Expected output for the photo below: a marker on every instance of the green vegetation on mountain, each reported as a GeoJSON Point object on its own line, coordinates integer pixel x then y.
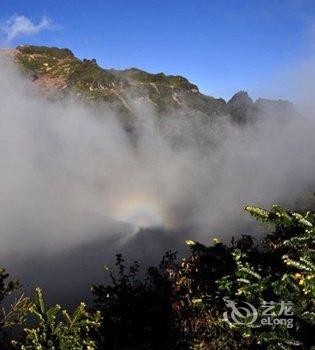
{"type": "Point", "coordinates": [161, 79]}
{"type": "Point", "coordinates": [42, 59]}
{"type": "Point", "coordinates": [181, 304]}
{"type": "Point", "coordinates": [60, 73]}
{"type": "Point", "coordinates": [59, 69]}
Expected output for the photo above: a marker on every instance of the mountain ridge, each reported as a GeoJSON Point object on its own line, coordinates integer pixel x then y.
{"type": "Point", "coordinates": [58, 73]}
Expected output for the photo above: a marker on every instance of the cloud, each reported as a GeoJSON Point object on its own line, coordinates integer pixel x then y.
{"type": "Point", "coordinates": [19, 25]}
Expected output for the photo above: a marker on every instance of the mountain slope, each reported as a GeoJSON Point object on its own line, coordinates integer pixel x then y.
{"type": "Point", "coordinates": [59, 73]}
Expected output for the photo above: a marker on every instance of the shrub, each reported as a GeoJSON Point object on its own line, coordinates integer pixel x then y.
{"type": "Point", "coordinates": [15, 313]}
{"type": "Point", "coordinates": [137, 312]}
{"type": "Point", "coordinates": [73, 332]}
{"type": "Point", "coordinates": [280, 269]}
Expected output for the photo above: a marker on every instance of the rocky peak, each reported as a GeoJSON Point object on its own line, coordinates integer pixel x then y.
{"type": "Point", "coordinates": [241, 98]}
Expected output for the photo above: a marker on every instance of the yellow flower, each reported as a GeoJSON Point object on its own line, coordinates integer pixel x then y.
{"type": "Point", "coordinates": [197, 301]}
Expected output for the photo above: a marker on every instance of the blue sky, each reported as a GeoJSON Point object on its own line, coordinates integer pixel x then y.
{"type": "Point", "coordinates": [222, 46]}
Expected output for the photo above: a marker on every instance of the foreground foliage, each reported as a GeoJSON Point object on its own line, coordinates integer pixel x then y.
{"type": "Point", "coordinates": [13, 314]}
{"type": "Point", "coordinates": [73, 332]}
{"type": "Point", "coordinates": [281, 269]}
{"type": "Point", "coordinates": [188, 304]}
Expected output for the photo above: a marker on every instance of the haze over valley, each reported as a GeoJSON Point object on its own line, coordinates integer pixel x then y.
{"type": "Point", "coordinates": [98, 161]}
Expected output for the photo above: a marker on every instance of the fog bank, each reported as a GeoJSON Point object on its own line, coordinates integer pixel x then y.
{"type": "Point", "coordinates": [71, 175]}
